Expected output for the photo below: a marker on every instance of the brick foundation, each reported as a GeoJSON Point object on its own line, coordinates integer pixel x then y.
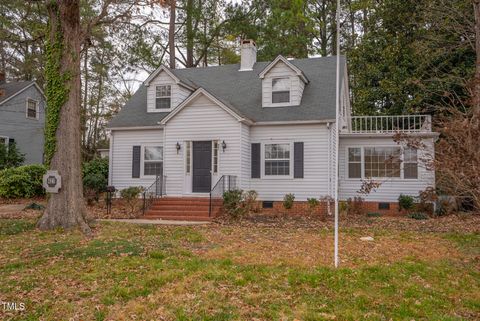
{"type": "Point", "coordinates": [374, 207]}
{"type": "Point", "coordinates": [302, 208]}
{"type": "Point", "coordinates": [298, 208]}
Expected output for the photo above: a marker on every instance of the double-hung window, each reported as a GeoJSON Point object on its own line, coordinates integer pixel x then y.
{"type": "Point", "coordinates": [355, 162]}
{"type": "Point", "coordinates": [153, 160]}
{"type": "Point", "coordinates": [410, 163]}
{"type": "Point", "coordinates": [4, 140]}
{"type": "Point", "coordinates": [277, 159]}
{"type": "Point", "coordinates": [163, 97]}
{"type": "Point", "coordinates": [280, 90]}
{"type": "Point", "coordinates": [32, 109]}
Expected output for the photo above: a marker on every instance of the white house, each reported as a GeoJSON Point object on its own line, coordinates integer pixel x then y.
{"type": "Point", "coordinates": [266, 126]}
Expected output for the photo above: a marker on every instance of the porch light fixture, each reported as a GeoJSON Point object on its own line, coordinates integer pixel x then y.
{"type": "Point", "coordinates": [178, 147]}
{"type": "Point", "coordinates": [224, 146]}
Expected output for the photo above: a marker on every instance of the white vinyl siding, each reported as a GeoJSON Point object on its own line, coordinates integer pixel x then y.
{"type": "Point", "coordinates": [200, 120]}
{"type": "Point", "coordinates": [122, 142]}
{"type": "Point", "coordinates": [296, 85]}
{"type": "Point", "coordinates": [315, 182]}
{"type": "Point", "coordinates": [178, 93]}
{"type": "Point", "coordinates": [246, 157]}
{"type": "Point", "coordinates": [390, 188]}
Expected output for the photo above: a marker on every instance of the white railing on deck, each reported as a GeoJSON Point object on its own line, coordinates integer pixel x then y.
{"type": "Point", "coordinates": [391, 124]}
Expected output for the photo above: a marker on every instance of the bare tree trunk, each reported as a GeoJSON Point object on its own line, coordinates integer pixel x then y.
{"type": "Point", "coordinates": [189, 26]}
{"type": "Point", "coordinates": [476, 86]}
{"type": "Point", "coordinates": [97, 107]}
{"type": "Point", "coordinates": [67, 208]}
{"type": "Point", "coordinates": [171, 33]}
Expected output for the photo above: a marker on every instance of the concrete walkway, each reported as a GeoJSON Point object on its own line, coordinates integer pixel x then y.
{"type": "Point", "coordinates": [154, 222]}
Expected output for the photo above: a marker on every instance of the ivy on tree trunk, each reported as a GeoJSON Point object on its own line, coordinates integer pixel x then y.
{"type": "Point", "coordinates": [65, 209]}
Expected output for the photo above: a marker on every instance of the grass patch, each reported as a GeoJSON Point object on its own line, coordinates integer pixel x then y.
{"type": "Point", "coordinates": [468, 243]}
{"type": "Point", "coordinates": [160, 272]}
{"type": "Point", "coordinates": [12, 227]}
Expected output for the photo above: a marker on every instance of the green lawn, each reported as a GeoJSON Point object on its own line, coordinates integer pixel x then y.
{"type": "Point", "coordinates": [236, 273]}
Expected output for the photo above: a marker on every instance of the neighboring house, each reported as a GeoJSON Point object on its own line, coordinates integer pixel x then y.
{"type": "Point", "coordinates": [269, 125]}
{"type": "Point", "coordinates": [22, 117]}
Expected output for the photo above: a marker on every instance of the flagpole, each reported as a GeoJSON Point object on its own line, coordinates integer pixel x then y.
{"type": "Point", "coordinates": [337, 106]}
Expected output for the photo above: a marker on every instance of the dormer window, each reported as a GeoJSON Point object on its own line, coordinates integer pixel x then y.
{"type": "Point", "coordinates": [163, 97]}
{"type": "Point", "coordinates": [280, 90]}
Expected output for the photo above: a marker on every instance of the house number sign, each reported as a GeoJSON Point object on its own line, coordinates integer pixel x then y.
{"type": "Point", "coordinates": [52, 181]}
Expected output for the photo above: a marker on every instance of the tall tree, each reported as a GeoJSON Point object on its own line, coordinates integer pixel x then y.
{"type": "Point", "coordinates": [66, 34]}
{"type": "Point", "coordinates": [63, 136]}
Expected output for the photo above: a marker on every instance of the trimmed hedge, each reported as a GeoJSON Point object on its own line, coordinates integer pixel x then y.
{"type": "Point", "coordinates": [24, 181]}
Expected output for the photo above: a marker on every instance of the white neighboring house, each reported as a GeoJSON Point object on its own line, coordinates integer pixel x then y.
{"type": "Point", "coordinates": [270, 125]}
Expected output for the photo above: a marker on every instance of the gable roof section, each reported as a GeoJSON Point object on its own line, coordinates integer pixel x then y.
{"type": "Point", "coordinates": [285, 61]}
{"type": "Point", "coordinates": [242, 92]}
{"type": "Point", "coordinates": [16, 87]}
{"type": "Point", "coordinates": [201, 91]}
{"type": "Point", "coordinates": [177, 80]}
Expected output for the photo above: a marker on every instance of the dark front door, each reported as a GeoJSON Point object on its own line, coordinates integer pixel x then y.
{"type": "Point", "coordinates": [202, 166]}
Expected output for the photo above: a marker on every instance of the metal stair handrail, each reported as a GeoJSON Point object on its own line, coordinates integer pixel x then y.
{"type": "Point", "coordinates": [154, 191]}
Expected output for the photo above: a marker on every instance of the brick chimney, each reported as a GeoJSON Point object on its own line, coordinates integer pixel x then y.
{"type": "Point", "coordinates": [248, 54]}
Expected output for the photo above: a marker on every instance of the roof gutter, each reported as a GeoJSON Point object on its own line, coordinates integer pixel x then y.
{"type": "Point", "coordinates": [293, 122]}
{"type": "Point", "coordinates": [136, 127]}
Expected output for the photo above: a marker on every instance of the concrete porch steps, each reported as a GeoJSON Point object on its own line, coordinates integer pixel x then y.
{"type": "Point", "coordinates": [183, 208]}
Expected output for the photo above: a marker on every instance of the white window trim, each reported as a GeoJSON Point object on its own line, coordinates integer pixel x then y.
{"type": "Point", "coordinates": [190, 167]}
{"type": "Point", "coordinates": [262, 160]}
{"type": "Point", "coordinates": [37, 108]}
{"type": "Point", "coordinates": [347, 167]}
{"type": "Point", "coordinates": [162, 110]}
{"type": "Point", "coordinates": [362, 149]}
{"type": "Point", "coordinates": [142, 159]}
{"type": "Point", "coordinates": [219, 149]}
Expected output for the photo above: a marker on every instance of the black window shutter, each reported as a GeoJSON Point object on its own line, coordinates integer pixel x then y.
{"type": "Point", "coordinates": [255, 160]}
{"type": "Point", "coordinates": [136, 161]}
{"type": "Point", "coordinates": [11, 141]}
{"type": "Point", "coordinates": [298, 160]}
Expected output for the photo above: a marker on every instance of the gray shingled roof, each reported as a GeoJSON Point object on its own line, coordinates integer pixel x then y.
{"type": "Point", "coordinates": [243, 91]}
{"type": "Point", "coordinates": [11, 88]}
